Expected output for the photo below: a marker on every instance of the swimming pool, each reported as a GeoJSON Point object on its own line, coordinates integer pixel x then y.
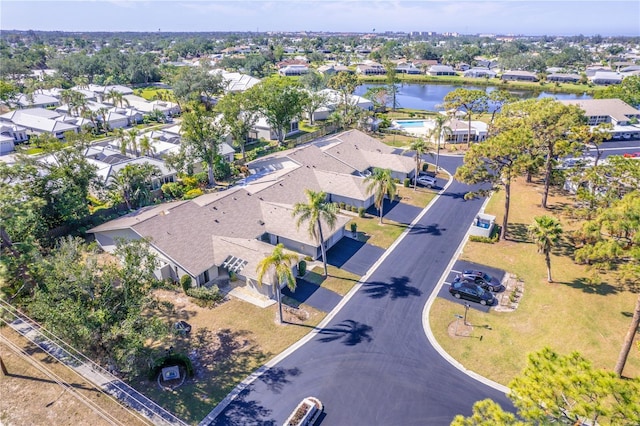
{"type": "Point", "coordinates": [409, 123]}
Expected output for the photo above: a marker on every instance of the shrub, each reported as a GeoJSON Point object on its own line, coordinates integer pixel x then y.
{"type": "Point", "coordinates": [193, 193]}
{"type": "Point", "coordinates": [361, 211]}
{"type": "Point", "coordinates": [206, 297]}
{"type": "Point", "coordinates": [406, 182]}
{"type": "Point", "coordinates": [173, 190]}
{"type": "Point", "coordinates": [354, 209]}
{"type": "Point", "coordinates": [185, 283]}
{"type": "Point", "coordinates": [169, 361]}
{"type": "Point", "coordinates": [302, 268]}
{"type": "Point", "coordinates": [354, 227]}
{"type": "Point", "coordinates": [342, 204]}
{"type": "Point", "coordinates": [425, 167]}
{"type": "Point", "coordinates": [308, 258]}
{"type": "Point", "coordinates": [222, 168]}
{"type": "Point", "coordinates": [479, 239]}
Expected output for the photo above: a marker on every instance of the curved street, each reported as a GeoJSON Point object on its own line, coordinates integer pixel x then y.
{"type": "Point", "coordinates": [372, 364]}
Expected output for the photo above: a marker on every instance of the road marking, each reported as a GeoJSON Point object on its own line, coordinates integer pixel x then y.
{"type": "Point", "coordinates": [455, 272]}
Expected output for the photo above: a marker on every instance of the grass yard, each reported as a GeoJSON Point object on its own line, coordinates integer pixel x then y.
{"type": "Point", "coordinates": [338, 280]}
{"type": "Point", "coordinates": [419, 197]}
{"type": "Point", "coordinates": [571, 314]}
{"type": "Point", "coordinates": [227, 343]}
{"type": "Point", "coordinates": [151, 93]}
{"type": "Point", "coordinates": [371, 232]}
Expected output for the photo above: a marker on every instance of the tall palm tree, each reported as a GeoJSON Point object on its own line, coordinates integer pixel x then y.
{"type": "Point", "coordinates": [381, 183]}
{"type": "Point", "coordinates": [313, 213]}
{"type": "Point", "coordinates": [116, 98]}
{"type": "Point", "coordinates": [439, 133]}
{"type": "Point", "coordinates": [103, 113]}
{"type": "Point", "coordinates": [421, 147]}
{"type": "Point", "coordinates": [279, 263]}
{"type": "Point", "coordinates": [132, 135]}
{"type": "Point", "coordinates": [545, 232]}
{"type": "Point", "coordinates": [146, 147]}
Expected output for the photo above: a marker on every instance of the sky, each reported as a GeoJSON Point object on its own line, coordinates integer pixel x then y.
{"type": "Point", "coordinates": [542, 17]}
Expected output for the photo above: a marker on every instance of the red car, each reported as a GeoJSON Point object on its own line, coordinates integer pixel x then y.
{"type": "Point", "coordinates": [631, 155]}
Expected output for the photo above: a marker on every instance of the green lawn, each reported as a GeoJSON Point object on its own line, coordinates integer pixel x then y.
{"type": "Point", "coordinates": [227, 343]}
{"type": "Point", "coordinates": [569, 315]}
{"type": "Point", "coordinates": [372, 232]}
{"type": "Point", "coordinates": [337, 280]}
{"type": "Point", "coordinates": [151, 93]}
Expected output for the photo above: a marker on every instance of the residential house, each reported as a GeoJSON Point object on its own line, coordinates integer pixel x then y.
{"type": "Point", "coordinates": [563, 78]}
{"type": "Point", "coordinates": [441, 70]}
{"type": "Point", "coordinates": [333, 69]}
{"type": "Point", "coordinates": [622, 116]}
{"type": "Point", "coordinates": [293, 69]}
{"type": "Point", "coordinates": [606, 78]}
{"type": "Point", "coordinates": [407, 68]}
{"type": "Point", "coordinates": [263, 130]}
{"type": "Point", "coordinates": [371, 68]}
{"type": "Point", "coordinates": [334, 99]}
{"type": "Point", "coordinates": [232, 231]}
{"type": "Point", "coordinates": [36, 100]}
{"type": "Point", "coordinates": [479, 73]}
{"type": "Point", "coordinates": [236, 82]}
{"type": "Point", "coordinates": [519, 76]}
{"type": "Point", "coordinates": [10, 135]}
{"type": "Point", "coordinates": [39, 120]}
{"type": "Point", "coordinates": [167, 108]}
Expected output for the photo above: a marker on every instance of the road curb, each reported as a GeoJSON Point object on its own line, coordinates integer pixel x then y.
{"type": "Point", "coordinates": [427, 326]}
{"type": "Point", "coordinates": [345, 299]}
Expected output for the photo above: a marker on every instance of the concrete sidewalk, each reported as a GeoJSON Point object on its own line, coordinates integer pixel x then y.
{"type": "Point", "coordinates": [98, 376]}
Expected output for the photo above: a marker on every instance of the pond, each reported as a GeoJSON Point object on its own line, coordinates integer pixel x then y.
{"type": "Point", "coordinates": [429, 97]}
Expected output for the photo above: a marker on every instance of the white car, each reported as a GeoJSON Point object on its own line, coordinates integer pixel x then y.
{"type": "Point", "coordinates": [428, 181]}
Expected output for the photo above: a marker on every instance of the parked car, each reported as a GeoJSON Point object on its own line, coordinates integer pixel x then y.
{"type": "Point", "coordinates": [483, 279]}
{"type": "Point", "coordinates": [463, 289]}
{"type": "Point", "coordinates": [631, 155]}
{"type": "Point", "coordinates": [428, 181]}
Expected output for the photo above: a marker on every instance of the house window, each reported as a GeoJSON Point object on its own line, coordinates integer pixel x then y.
{"type": "Point", "coordinates": [294, 126]}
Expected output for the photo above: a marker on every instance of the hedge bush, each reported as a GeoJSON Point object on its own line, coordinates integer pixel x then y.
{"type": "Point", "coordinates": [193, 193]}
{"type": "Point", "coordinates": [361, 211]}
{"type": "Point", "coordinates": [185, 282]}
{"type": "Point", "coordinates": [406, 182]}
{"type": "Point", "coordinates": [302, 268]}
{"type": "Point", "coordinates": [206, 296]}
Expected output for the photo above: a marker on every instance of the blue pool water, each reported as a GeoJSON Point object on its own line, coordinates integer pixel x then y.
{"type": "Point", "coordinates": [410, 123]}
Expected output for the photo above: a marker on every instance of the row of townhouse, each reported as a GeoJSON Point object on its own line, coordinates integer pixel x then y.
{"type": "Point", "coordinates": [231, 231]}
{"type": "Point", "coordinates": [623, 117]}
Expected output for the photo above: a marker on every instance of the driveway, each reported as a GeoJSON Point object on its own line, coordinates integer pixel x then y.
{"type": "Point", "coordinates": [373, 364]}
{"type": "Point", "coordinates": [396, 211]}
{"type": "Point", "coordinates": [313, 295]}
{"type": "Point", "coordinates": [353, 256]}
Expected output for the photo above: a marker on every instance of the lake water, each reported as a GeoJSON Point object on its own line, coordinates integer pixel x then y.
{"type": "Point", "coordinates": [431, 96]}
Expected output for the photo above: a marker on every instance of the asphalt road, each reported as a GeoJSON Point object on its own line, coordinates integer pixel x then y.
{"type": "Point", "coordinates": [372, 364]}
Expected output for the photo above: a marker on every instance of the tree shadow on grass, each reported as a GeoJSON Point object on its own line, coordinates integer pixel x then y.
{"type": "Point", "coordinates": [398, 288]}
{"type": "Point", "coordinates": [518, 232]}
{"type": "Point", "coordinates": [602, 289]}
{"type": "Point", "coordinates": [349, 331]}
{"type": "Point", "coordinates": [564, 248]}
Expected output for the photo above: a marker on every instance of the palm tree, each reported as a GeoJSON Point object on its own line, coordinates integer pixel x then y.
{"type": "Point", "coordinates": [314, 212]}
{"type": "Point", "coordinates": [420, 147]}
{"type": "Point", "coordinates": [116, 98]}
{"type": "Point", "coordinates": [103, 113]}
{"type": "Point", "coordinates": [146, 147]}
{"type": "Point", "coordinates": [381, 183]}
{"type": "Point", "coordinates": [280, 264]}
{"type": "Point", "coordinates": [545, 232]}
{"type": "Point", "coordinates": [440, 131]}
{"type": "Point", "coordinates": [132, 135]}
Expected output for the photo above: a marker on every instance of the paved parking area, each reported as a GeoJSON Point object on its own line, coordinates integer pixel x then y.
{"type": "Point", "coordinates": [353, 256]}
{"type": "Point", "coordinates": [460, 266]}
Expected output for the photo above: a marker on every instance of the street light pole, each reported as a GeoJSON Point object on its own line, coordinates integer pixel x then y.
{"type": "Point", "coordinates": [466, 309]}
